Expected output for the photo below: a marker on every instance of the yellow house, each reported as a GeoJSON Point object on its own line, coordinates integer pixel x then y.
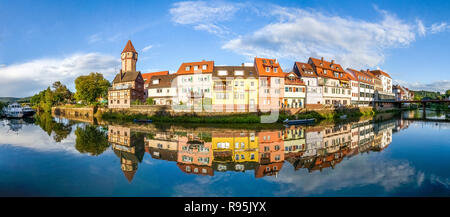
{"type": "Point", "coordinates": [235, 89]}
{"type": "Point", "coordinates": [235, 147]}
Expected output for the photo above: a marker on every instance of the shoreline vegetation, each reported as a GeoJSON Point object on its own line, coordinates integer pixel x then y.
{"type": "Point", "coordinates": [330, 115]}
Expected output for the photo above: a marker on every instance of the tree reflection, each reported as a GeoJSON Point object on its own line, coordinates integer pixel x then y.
{"type": "Point", "coordinates": [49, 125]}
{"type": "Point", "coordinates": [91, 139]}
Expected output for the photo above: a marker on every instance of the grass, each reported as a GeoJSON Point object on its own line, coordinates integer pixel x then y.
{"type": "Point", "coordinates": [235, 118]}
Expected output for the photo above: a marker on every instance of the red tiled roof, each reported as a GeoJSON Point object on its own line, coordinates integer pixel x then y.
{"type": "Point", "coordinates": [262, 63]}
{"type": "Point", "coordinates": [321, 65]}
{"type": "Point", "coordinates": [289, 80]}
{"type": "Point", "coordinates": [379, 72]}
{"type": "Point", "coordinates": [148, 76]}
{"type": "Point", "coordinates": [209, 67]}
{"type": "Point", "coordinates": [303, 68]}
{"type": "Point", "coordinates": [361, 76]}
{"type": "Point", "coordinates": [129, 47]}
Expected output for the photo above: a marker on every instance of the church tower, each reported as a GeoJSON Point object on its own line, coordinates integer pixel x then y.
{"type": "Point", "coordinates": [129, 58]}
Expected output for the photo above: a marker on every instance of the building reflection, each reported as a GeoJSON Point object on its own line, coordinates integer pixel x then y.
{"type": "Point", "coordinates": [129, 147]}
{"type": "Point", "coordinates": [262, 152]}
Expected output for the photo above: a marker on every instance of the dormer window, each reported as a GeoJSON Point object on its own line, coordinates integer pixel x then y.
{"type": "Point", "coordinates": [188, 68]}
{"type": "Point", "coordinates": [156, 81]}
{"type": "Point", "coordinates": [239, 73]}
{"type": "Point", "coordinates": [264, 61]}
{"type": "Point", "coordinates": [325, 71]}
{"type": "Point", "coordinates": [204, 67]}
{"type": "Point", "coordinates": [275, 70]}
{"type": "Point", "coordinates": [267, 69]}
{"type": "Point", "coordinates": [222, 72]}
{"type": "Point", "coordinates": [196, 68]}
{"type": "Point", "coordinates": [271, 62]}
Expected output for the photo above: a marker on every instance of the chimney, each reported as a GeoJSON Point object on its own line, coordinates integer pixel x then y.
{"type": "Point", "coordinates": [332, 62]}
{"type": "Point", "coordinates": [321, 59]}
{"type": "Point", "coordinates": [121, 74]}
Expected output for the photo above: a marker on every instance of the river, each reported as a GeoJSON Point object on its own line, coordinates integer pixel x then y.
{"type": "Point", "coordinates": [386, 156]}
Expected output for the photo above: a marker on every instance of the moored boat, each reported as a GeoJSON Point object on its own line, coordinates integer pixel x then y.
{"type": "Point", "coordinates": [142, 121]}
{"type": "Point", "coordinates": [14, 111]}
{"type": "Point", "coordinates": [297, 122]}
{"type": "Point", "coordinates": [28, 111]}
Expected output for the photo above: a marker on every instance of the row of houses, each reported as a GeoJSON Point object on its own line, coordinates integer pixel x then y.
{"type": "Point", "coordinates": [249, 87]}
{"type": "Point", "coordinates": [207, 152]}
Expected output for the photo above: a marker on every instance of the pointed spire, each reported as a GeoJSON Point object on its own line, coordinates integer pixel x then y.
{"type": "Point", "coordinates": [129, 175]}
{"type": "Point", "coordinates": [129, 47]}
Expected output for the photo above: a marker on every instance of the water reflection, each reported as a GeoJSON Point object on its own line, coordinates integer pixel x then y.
{"type": "Point", "coordinates": [173, 160]}
{"type": "Point", "coordinates": [205, 151]}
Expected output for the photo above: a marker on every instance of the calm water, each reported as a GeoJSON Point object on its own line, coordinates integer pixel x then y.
{"type": "Point", "coordinates": [388, 157]}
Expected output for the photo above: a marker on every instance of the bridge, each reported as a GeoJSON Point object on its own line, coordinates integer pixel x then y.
{"type": "Point", "coordinates": [423, 102]}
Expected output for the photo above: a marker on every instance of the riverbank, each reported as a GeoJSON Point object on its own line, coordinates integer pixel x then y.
{"type": "Point", "coordinates": [254, 118]}
{"type": "Point", "coordinates": [111, 115]}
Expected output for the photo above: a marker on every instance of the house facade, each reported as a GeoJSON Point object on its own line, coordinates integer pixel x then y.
{"type": "Point", "coordinates": [314, 94]}
{"type": "Point", "coordinates": [334, 81]}
{"type": "Point", "coordinates": [235, 89]}
{"type": "Point", "coordinates": [363, 87]}
{"type": "Point", "coordinates": [385, 92]}
{"type": "Point", "coordinates": [271, 84]}
{"type": "Point", "coordinates": [148, 76]}
{"type": "Point", "coordinates": [194, 84]}
{"type": "Point", "coordinates": [162, 89]}
{"type": "Point", "coordinates": [294, 91]}
{"type": "Point", "coordinates": [128, 85]}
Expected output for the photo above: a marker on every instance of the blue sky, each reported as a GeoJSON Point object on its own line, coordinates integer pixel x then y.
{"type": "Point", "coordinates": [44, 41]}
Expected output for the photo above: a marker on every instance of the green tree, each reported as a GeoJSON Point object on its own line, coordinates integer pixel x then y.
{"type": "Point", "coordinates": [90, 87]}
{"type": "Point", "coordinates": [149, 101]}
{"type": "Point", "coordinates": [91, 140]}
{"type": "Point", "coordinates": [60, 93]}
{"type": "Point", "coordinates": [447, 93]}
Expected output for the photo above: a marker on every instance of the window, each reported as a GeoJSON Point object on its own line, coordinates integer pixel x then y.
{"type": "Point", "coordinates": [275, 70]}
{"type": "Point", "coordinates": [239, 73]}
{"type": "Point", "coordinates": [204, 67]}
{"type": "Point", "coordinates": [267, 69]}
{"type": "Point", "coordinates": [242, 83]}
{"type": "Point", "coordinates": [236, 157]}
{"type": "Point", "coordinates": [195, 67]}
{"type": "Point", "coordinates": [277, 158]}
{"type": "Point", "coordinates": [111, 102]}
{"type": "Point", "coordinates": [252, 156]}
{"type": "Point", "coordinates": [222, 72]}
{"type": "Point", "coordinates": [325, 71]}
{"type": "Point", "coordinates": [277, 81]}
{"type": "Point", "coordinates": [252, 83]}
{"type": "Point", "coordinates": [188, 68]}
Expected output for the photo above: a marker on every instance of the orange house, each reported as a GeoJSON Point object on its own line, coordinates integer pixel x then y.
{"type": "Point", "coordinates": [271, 84]}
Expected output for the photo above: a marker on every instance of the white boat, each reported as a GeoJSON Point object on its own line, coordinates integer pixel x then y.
{"type": "Point", "coordinates": [14, 111]}
{"type": "Point", "coordinates": [27, 111]}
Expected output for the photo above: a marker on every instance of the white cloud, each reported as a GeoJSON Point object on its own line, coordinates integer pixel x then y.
{"type": "Point", "coordinates": [435, 86]}
{"type": "Point", "coordinates": [94, 38]}
{"type": "Point", "coordinates": [300, 33]}
{"type": "Point", "coordinates": [203, 15]}
{"type": "Point", "coordinates": [436, 28]}
{"type": "Point", "coordinates": [421, 28]}
{"type": "Point", "coordinates": [360, 171]}
{"type": "Point", "coordinates": [26, 79]}
{"type": "Point", "coordinates": [145, 49]}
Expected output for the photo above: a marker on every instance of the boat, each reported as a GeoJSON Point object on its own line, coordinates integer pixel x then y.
{"type": "Point", "coordinates": [142, 121]}
{"type": "Point", "coordinates": [343, 117]}
{"type": "Point", "coordinates": [14, 111]}
{"type": "Point", "coordinates": [28, 111]}
{"type": "Point", "coordinates": [302, 121]}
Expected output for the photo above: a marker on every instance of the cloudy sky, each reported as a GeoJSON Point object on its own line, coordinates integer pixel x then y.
{"type": "Point", "coordinates": [45, 41]}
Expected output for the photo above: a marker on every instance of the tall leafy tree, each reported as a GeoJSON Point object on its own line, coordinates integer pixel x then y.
{"type": "Point", "coordinates": [91, 140]}
{"type": "Point", "coordinates": [90, 87]}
